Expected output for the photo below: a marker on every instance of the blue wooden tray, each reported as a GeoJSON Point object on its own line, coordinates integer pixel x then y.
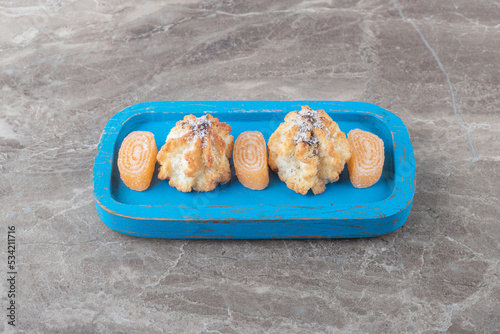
{"type": "Point", "coordinates": [232, 211]}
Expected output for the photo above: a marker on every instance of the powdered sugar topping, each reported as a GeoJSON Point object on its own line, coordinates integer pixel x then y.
{"type": "Point", "coordinates": [307, 120]}
{"type": "Point", "coordinates": [200, 126]}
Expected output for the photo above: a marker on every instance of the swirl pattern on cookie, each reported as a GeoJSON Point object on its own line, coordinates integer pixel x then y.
{"type": "Point", "coordinates": [367, 160]}
{"type": "Point", "coordinates": [250, 160]}
{"type": "Point", "coordinates": [136, 160]}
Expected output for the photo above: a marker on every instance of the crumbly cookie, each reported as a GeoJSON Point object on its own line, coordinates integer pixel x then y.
{"type": "Point", "coordinates": [308, 150]}
{"type": "Point", "coordinates": [195, 155]}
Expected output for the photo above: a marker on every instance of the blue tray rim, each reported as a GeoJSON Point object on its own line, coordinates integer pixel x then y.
{"type": "Point", "coordinates": [399, 200]}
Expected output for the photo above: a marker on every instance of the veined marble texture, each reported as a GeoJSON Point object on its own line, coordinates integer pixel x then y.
{"type": "Point", "coordinates": [67, 66]}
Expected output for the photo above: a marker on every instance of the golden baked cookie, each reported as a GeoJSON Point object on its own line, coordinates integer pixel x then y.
{"type": "Point", "coordinates": [308, 150]}
{"type": "Point", "coordinates": [195, 155]}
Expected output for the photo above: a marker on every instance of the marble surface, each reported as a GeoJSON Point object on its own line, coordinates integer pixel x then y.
{"type": "Point", "coordinates": [67, 66]}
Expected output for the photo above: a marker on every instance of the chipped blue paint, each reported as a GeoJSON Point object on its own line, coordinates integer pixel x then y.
{"type": "Point", "coordinates": [234, 212]}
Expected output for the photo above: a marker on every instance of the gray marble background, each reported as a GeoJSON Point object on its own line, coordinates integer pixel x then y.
{"type": "Point", "coordinates": [67, 66]}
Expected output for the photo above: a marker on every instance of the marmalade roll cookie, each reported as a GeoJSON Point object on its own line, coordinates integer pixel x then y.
{"type": "Point", "coordinates": [367, 160]}
{"type": "Point", "coordinates": [195, 155]}
{"type": "Point", "coordinates": [250, 160]}
{"type": "Point", "coordinates": [137, 159]}
{"type": "Point", "coordinates": [308, 150]}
